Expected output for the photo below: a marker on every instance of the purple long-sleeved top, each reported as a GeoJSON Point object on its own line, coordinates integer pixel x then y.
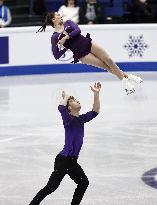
{"type": "Point", "coordinates": [77, 43]}
{"type": "Point", "coordinates": [74, 130]}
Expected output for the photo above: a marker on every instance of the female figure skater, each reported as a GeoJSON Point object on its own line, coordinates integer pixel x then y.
{"type": "Point", "coordinates": [68, 35]}
{"type": "Point", "coordinates": [66, 160]}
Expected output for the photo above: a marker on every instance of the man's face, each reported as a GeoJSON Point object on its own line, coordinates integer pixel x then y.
{"type": "Point", "coordinates": [73, 104]}
{"type": "Point", "coordinates": [1, 2]}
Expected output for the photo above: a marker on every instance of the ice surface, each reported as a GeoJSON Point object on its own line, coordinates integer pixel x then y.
{"type": "Point", "coordinates": [119, 145]}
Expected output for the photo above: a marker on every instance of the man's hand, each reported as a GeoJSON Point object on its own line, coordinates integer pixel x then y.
{"type": "Point", "coordinates": [96, 88]}
{"type": "Point", "coordinates": [63, 94]}
{"type": "Point", "coordinates": [65, 98]}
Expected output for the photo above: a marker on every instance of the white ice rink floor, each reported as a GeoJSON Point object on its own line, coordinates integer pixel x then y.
{"type": "Point", "coordinates": [120, 145]}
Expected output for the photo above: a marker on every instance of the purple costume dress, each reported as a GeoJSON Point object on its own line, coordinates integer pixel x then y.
{"type": "Point", "coordinates": [77, 43]}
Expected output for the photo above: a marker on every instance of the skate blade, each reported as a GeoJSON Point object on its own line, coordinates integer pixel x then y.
{"type": "Point", "coordinates": [128, 92]}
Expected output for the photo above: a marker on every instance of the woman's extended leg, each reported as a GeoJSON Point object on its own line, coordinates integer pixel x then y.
{"type": "Point", "coordinates": [91, 59]}
{"type": "Point", "coordinates": [100, 53]}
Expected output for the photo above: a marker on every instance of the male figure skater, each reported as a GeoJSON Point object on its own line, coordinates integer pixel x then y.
{"type": "Point", "coordinates": [66, 160]}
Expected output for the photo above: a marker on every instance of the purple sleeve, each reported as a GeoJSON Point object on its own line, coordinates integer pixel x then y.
{"type": "Point", "coordinates": [88, 116]}
{"type": "Point", "coordinates": [66, 117]}
{"type": "Point", "coordinates": [76, 29]}
{"type": "Point", "coordinates": [56, 52]}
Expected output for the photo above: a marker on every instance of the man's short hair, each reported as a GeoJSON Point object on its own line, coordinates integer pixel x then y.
{"type": "Point", "coordinates": [70, 98]}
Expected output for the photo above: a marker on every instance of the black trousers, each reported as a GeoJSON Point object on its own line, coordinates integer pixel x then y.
{"type": "Point", "coordinates": [62, 166]}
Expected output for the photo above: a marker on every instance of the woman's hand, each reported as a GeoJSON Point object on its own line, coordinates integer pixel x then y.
{"type": "Point", "coordinates": [96, 88]}
{"type": "Point", "coordinates": [62, 41]}
{"type": "Point", "coordinates": [64, 32]}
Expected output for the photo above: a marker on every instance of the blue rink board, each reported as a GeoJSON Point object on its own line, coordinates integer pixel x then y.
{"type": "Point", "coordinates": [71, 68]}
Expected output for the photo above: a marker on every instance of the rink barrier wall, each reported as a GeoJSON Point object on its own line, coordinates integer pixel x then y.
{"type": "Point", "coordinates": [132, 46]}
{"type": "Point", "coordinates": [68, 68]}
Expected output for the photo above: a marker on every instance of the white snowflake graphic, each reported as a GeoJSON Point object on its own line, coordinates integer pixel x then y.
{"type": "Point", "coordinates": [136, 46]}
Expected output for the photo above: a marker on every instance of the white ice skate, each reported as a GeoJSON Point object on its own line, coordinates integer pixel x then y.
{"type": "Point", "coordinates": [134, 78]}
{"type": "Point", "coordinates": [127, 86]}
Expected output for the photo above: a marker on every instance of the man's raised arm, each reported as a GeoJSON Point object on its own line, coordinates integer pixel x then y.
{"type": "Point", "coordinates": [96, 89]}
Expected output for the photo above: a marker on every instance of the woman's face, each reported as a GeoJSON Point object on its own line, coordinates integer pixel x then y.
{"type": "Point", "coordinates": [57, 18]}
